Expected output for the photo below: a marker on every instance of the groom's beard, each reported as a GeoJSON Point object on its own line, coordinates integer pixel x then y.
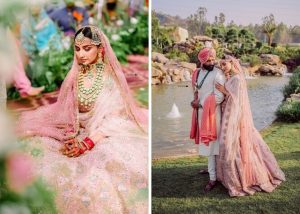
{"type": "Point", "coordinates": [208, 67]}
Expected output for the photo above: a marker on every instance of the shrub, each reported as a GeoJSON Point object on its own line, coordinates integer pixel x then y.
{"type": "Point", "coordinates": [265, 49]}
{"type": "Point", "coordinates": [258, 45]}
{"type": "Point", "coordinates": [193, 55]}
{"type": "Point", "coordinates": [294, 84]}
{"type": "Point", "coordinates": [252, 59]}
{"type": "Point", "coordinates": [289, 111]}
{"type": "Point", "coordinates": [178, 55]}
{"type": "Point", "coordinates": [220, 52]}
{"type": "Point", "coordinates": [282, 52]}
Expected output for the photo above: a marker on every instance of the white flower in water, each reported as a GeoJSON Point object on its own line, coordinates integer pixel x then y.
{"type": "Point", "coordinates": [133, 20]}
{"type": "Point", "coordinates": [119, 22]}
{"type": "Point", "coordinates": [115, 37]}
{"type": "Point", "coordinates": [130, 30]}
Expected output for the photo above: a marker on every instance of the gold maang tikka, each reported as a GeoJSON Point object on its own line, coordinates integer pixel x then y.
{"type": "Point", "coordinates": [80, 38]}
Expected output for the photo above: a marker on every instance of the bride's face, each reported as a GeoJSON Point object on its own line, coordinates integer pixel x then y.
{"type": "Point", "coordinates": [225, 66]}
{"type": "Point", "coordinates": [86, 53]}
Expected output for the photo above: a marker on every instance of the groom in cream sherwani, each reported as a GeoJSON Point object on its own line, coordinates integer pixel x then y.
{"type": "Point", "coordinates": [204, 81]}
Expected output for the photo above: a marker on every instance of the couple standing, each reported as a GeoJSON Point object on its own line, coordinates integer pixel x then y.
{"type": "Point", "coordinates": [222, 125]}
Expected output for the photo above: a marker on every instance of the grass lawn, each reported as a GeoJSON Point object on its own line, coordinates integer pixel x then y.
{"type": "Point", "coordinates": [177, 186]}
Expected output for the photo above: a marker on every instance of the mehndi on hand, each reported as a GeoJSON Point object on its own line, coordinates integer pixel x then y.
{"type": "Point", "coordinates": [75, 148]}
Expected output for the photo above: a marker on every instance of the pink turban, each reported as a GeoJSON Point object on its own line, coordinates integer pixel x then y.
{"type": "Point", "coordinates": [205, 53]}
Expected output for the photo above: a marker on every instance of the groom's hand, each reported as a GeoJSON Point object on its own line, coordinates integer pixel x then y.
{"type": "Point", "coordinates": [195, 104]}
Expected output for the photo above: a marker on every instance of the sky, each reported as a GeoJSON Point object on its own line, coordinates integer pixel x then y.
{"type": "Point", "coordinates": [240, 11]}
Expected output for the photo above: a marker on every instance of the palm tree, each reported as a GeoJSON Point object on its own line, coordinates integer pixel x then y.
{"type": "Point", "coordinates": [269, 27]}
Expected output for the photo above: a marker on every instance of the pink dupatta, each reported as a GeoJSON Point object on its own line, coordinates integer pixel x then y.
{"type": "Point", "coordinates": [207, 132]}
{"type": "Point", "coordinates": [208, 129]}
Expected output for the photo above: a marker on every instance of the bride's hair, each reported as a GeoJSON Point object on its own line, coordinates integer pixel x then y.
{"type": "Point", "coordinates": [87, 32]}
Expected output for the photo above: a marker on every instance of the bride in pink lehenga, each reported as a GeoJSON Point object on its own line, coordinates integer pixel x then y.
{"type": "Point", "coordinates": [245, 163]}
{"type": "Point", "coordinates": [91, 145]}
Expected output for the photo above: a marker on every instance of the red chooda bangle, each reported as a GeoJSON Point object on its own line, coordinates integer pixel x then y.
{"type": "Point", "coordinates": [89, 142]}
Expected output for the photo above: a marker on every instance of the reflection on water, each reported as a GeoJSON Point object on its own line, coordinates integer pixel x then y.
{"type": "Point", "coordinates": [171, 136]}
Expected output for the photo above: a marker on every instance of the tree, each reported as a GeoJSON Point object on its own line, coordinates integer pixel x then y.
{"type": "Point", "coordinates": [216, 32]}
{"type": "Point", "coordinates": [193, 25]}
{"type": "Point", "coordinates": [282, 34]}
{"type": "Point", "coordinates": [221, 18]}
{"type": "Point", "coordinates": [239, 40]}
{"type": "Point", "coordinates": [201, 12]}
{"type": "Point", "coordinates": [160, 36]}
{"type": "Point", "coordinates": [269, 27]}
{"type": "Point", "coordinates": [197, 22]}
{"type": "Point", "coordinates": [231, 24]}
{"type": "Point", "coordinates": [246, 40]}
{"type": "Point", "coordinates": [232, 38]}
{"type": "Point", "coordinates": [257, 31]}
{"type": "Point", "coordinates": [295, 33]}
{"type": "Point", "coordinates": [216, 20]}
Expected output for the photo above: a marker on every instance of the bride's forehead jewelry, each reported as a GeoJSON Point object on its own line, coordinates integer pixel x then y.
{"type": "Point", "coordinates": [95, 36]}
{"type": "Point", "coordinates": [80, 38]}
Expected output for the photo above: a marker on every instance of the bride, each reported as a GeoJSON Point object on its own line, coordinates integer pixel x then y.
{"type": "Point", "coordinates": [91, 145]}
{"type": "Point", "coordinates": [245, 163]}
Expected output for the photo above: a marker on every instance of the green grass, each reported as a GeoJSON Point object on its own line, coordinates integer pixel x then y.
{"type": "Point", "coordinates": [178, 188]}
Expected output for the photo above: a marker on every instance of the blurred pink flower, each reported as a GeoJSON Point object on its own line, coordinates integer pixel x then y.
{"type": "Point", "coordinates": [19, 171]}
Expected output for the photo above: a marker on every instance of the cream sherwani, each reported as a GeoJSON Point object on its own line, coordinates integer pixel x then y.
{"type": "Point", "coordinates": [208, 87]}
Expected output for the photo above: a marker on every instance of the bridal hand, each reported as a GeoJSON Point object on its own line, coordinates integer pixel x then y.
{"type": "Point", "coordinates": [71, 148]}
{"type": "Point", "coordinates": [74, 152]}
{"type": "Point", "coordinates": [221, 88]}
{"type": "Point", "coordinates": [66, 146]}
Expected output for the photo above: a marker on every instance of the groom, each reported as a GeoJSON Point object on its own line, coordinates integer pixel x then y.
{"type": "Point", "coordinates": [206, 120]}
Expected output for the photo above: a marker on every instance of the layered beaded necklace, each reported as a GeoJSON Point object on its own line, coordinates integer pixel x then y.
{"type": "Point", "coordinates": [87, 96]}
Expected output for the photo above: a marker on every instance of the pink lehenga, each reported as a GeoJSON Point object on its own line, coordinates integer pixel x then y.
{"type": "Point", "coordinates": [245, 163]}
{"type": "Point", "coordinates": [112, 177]}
